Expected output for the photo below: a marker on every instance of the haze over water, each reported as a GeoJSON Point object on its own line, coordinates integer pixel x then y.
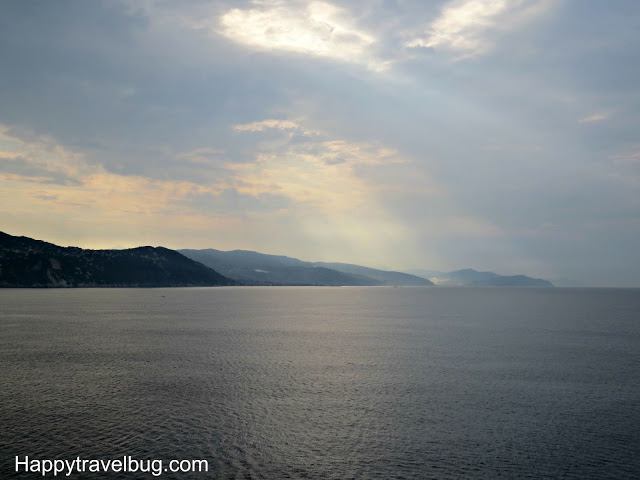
{"type": "Point", "coordinates": [313, 382]}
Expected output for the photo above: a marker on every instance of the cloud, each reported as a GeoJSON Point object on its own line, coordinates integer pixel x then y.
{"type": "Point", "coordinates": [312, 28]}
{"type": "Point", "coordinates": [296, 189]}
{"type": "Point", "coordinates": [318, 170]}
{"type": "Point", "coordinates": [88, 200]}
{"type": "Point", "coordinates": [466, 27]}
{"type": "Point", "coordinates": [596, 117]}
{"type": "Point", "coordinates": [332, 193]}
{"type": "Point", "coordinates": [205, 156]}
{"type": "Point", "coordinates": [38, 159]}
{"type": "Point", "coordinates": [631, 155]}
{"type": "Point", "coordinates": [266, 124]}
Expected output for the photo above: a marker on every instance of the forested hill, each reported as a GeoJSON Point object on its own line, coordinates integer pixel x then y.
{"type": "Point", "coordinates": [25, 262]}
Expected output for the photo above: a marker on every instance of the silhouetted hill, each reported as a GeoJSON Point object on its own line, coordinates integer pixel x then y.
{"type": "Point", "coordinates": [25, 262]}
{"type": "Point", "coordinates": [263, 269]}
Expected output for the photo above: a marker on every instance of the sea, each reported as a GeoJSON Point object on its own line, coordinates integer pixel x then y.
{"type": "Point", "coordinates": [323, 382]}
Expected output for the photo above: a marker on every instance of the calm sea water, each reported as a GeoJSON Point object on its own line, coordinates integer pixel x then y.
{"type": "Point", "coordinates": [326, 382]}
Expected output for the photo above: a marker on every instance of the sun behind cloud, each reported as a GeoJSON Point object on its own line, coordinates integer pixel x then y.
{"type": "Point", "coordinates": [310, 28]}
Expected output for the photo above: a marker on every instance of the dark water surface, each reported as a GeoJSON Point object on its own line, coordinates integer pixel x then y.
{"type": "Point", "coordinates": [308, 382]}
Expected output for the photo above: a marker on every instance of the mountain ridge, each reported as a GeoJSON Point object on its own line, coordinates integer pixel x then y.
{"type": "Point", "coordinates": [258, 268]}
{"type": "Point", "coordinates": [27, 262]}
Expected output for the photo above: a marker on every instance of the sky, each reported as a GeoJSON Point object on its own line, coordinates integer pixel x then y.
{"type": "Point", "coordinates": [498, 135]}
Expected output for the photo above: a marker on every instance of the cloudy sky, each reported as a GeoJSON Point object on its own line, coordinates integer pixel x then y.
{"type": "Point", "coordinates": [492, 134]}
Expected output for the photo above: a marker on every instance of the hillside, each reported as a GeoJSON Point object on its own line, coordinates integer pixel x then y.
{"type": "Point", "coordinates": [262, 269]}
{"type": "Point", "coordinates": [385, 277]}
{"type": "Point", "coordinates": [25, 262]}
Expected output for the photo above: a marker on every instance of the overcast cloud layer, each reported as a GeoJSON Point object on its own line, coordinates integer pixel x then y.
{"type": "Point", "coordinates": [493, 134]}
